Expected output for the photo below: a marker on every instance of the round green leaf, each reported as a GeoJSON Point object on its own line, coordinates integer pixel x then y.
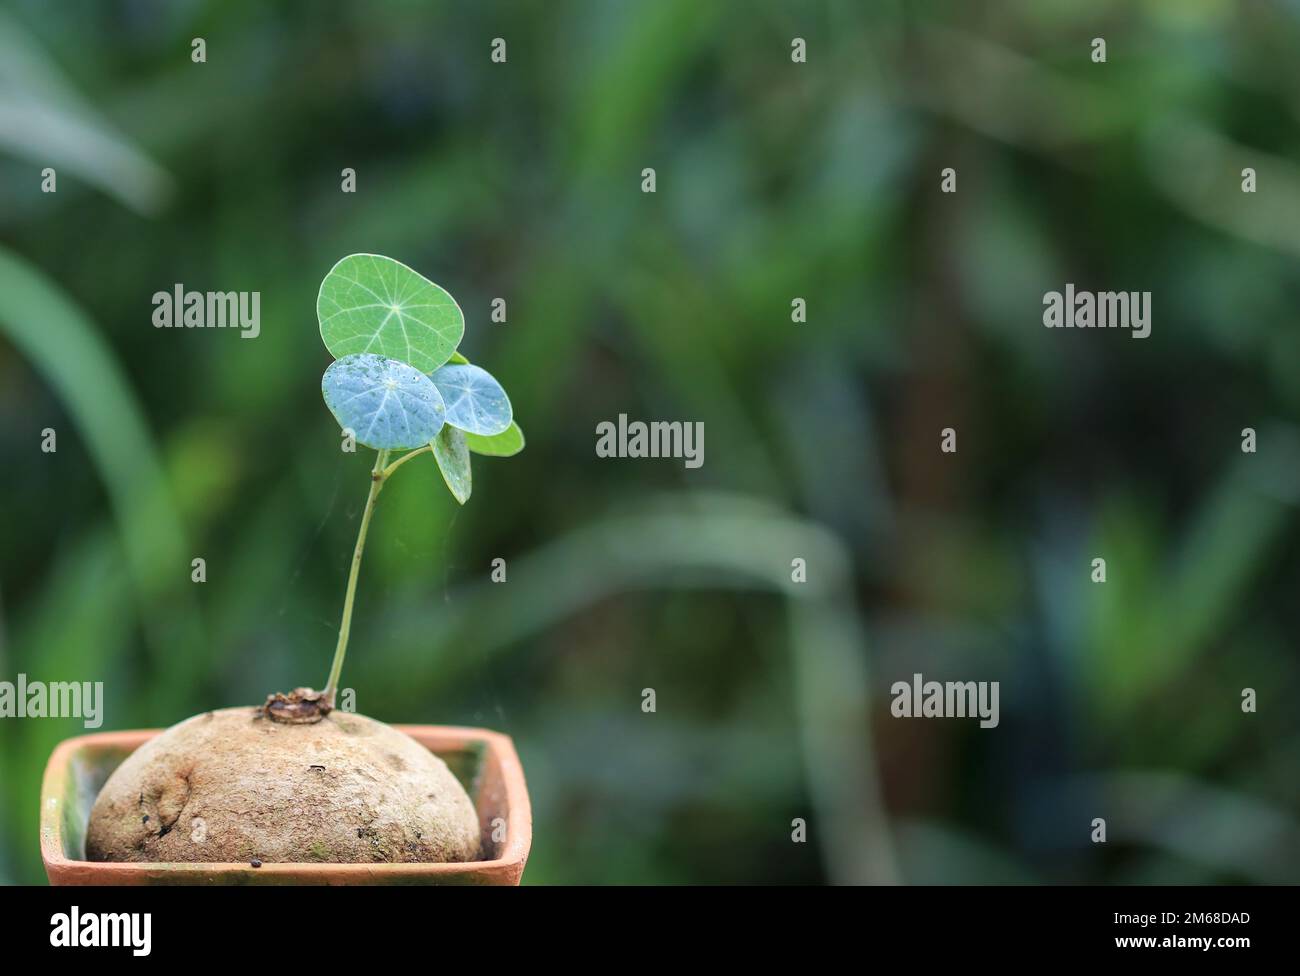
{"type": "Point", "coordinates": [372, 304]}
{"type": "Point", "coordinates": [386, 404]}
{"type": "Point", "coordinates": [476, 403]}
{"type": "Point", "coordinates": [453, 460]}
{"type": "Point", "coordinates": [505, 444]}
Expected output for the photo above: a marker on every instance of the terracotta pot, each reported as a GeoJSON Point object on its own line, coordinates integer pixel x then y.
{"type": "Point", "coordinates": [484, 761]}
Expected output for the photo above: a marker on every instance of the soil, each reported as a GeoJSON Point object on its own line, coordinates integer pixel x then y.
{"type": "Point", "coordinates": [236, 785]}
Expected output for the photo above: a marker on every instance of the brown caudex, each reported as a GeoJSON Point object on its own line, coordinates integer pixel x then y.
{"type": "Point", "coordinates": [485, 760]}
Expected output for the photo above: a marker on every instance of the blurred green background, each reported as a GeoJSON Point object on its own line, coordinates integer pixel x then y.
{"type": "Point", "coordinates": [775, 180]}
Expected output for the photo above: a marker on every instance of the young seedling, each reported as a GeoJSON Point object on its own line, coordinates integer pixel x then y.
{"type": "Point", "coordinates": [399, 385]}
{"type": "Point", "coordinates": [288, 781]}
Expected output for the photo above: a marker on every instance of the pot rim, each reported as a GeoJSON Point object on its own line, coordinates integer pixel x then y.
{"type": "Point", "coordinates": [507, 867]}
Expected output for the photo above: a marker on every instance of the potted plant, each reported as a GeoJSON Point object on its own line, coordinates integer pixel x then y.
{"type": "Point", "coordinates": [295, 790]}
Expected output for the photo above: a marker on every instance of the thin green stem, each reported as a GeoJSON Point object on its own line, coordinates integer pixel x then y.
{"type": "Point", "coordinates": [404, 458]}
{"type": "Point", "coordinates": [377, 476]}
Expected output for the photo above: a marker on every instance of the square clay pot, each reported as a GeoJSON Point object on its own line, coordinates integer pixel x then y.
{"type": "Point", "coordinates": [485, 762]}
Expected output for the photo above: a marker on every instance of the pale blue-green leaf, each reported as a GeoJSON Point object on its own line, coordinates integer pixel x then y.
{"type": "Point", "coordinates": [372, 304]}
{"type": "Point", "coordinates": [505, 444]}
{"type": "Point", "coordinates": [386, 404]}
{"type": "Point", "coordinates": [453, 460]}
{"type": "Point", "coordinates": [476, 403]}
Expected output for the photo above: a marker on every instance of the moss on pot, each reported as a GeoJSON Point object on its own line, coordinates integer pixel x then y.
{"type": "Point", "coordinates": [235, 785]}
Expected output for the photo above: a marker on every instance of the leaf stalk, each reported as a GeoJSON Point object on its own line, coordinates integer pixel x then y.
{"type": "Point", "coordinates": [378, 475]}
